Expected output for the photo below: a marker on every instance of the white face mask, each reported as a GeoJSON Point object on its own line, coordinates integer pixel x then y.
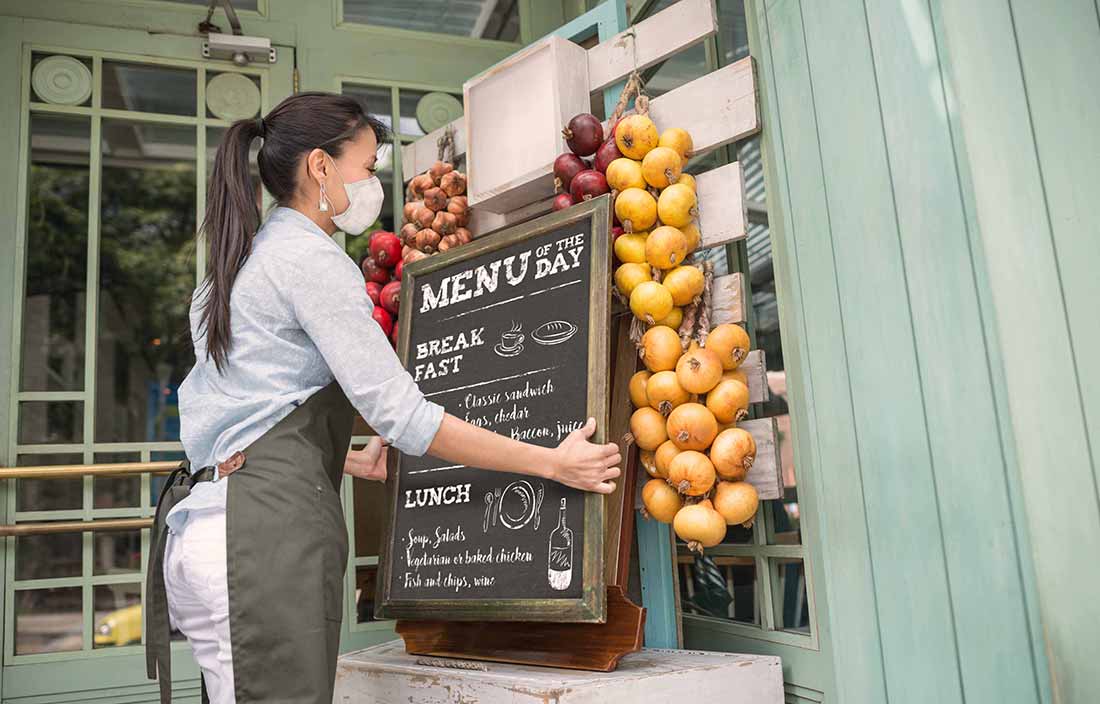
{"type": "Point", "coordinates": [364, 204]}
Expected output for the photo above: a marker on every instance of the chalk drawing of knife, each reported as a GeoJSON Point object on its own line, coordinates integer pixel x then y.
{"type": "Point", "coordinates": [488, 511]}
{"type": "Point", "coordinates": [538, 506]}
{"type": "Point", "coordinates": [496, 512]}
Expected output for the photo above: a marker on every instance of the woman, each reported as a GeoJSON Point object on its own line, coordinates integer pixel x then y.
{"type": "Point", "coordinates": [250, 549]}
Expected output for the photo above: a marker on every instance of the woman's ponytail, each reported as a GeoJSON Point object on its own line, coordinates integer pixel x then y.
{"type": "Point", "coordinates": [232, 218]}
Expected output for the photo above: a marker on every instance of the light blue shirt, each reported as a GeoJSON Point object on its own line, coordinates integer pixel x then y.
{"type": "Point", "coordinates": [299, 317]}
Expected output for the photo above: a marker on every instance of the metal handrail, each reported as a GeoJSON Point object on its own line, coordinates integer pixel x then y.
{"type": "Point", "coordinates": [51, 527]}
{"type": "Point", "coordinates": [67, 471]}
{"type": "Point", "coordinates": [81, 470]}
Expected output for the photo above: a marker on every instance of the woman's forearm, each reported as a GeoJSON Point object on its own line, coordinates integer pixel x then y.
{"type": "Point", "coordinates": [574, 462]}
{"type": "Point", "coordinates": [466, 444]}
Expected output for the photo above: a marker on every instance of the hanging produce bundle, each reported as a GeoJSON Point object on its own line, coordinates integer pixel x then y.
{"type": "Point", "coordinates": [382, 267]}
{"type": "Point", "coordinates": [687, 405]}
{"type": "Point", "coordinates": [436, 212]}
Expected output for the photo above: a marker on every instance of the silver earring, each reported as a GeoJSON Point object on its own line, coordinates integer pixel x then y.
{"type": "Point", "coordinates": [323, 206]}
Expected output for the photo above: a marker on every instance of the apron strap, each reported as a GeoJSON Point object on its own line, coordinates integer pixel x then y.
{"type": "Point", "coordinates": [158, 651]}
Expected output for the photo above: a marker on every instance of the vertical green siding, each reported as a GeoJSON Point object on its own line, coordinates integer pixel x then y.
{"type": "Point", "coordinates": [928, 590]}
{"type": "Point", "coordinates": [1028, 91]}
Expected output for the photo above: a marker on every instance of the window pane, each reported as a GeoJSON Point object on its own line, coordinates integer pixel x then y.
{"type": "Point", "coordinates": [149, 88]}
{"type": "Point", "coordinates": [481, 19]}
{"type": "Point", "coordinates": [681, 68]}
{"type": "Point", "coordinates": [377, 101]}
{"type": "Point", "coordinates": [52, 356]}
{"type": "Point", "coordinates": [51, 422]}
{"type": "Point", "coordinates": [718, 586]}
{"type": "Point", "coordinates": [369, 502]}
{"type": "Point", "coordinates": [733, 32]}
{"type": "Point", "coordinates": [237, 5]}
{"type": "Point", "coordinates": [49, 494]}
{"type": "Point", "coordinates": [47, 556]}
{"type": "Point", "coordinates": [117, 552]}
{"type": "Point", "coordinates": [117, 615]}
{"type": "Point", "coordinates": [47, 620]}
{"type": "Point", "coordinates": [147, 274]}
{"type": "Point", "coordinates": [232, 96]}
{"type": "Point", "coordinates": [116, 492]}
{"type": "Point", "coordinates": [792, 611]}
{"type": "Point", "coordinates": [365, 580]}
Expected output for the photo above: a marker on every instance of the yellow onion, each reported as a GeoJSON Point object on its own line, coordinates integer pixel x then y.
{"type": "Point", "coordinates": [676, 205]}
{"type": "Point", "coordinates": [733, 453]}
{"type": "Point", "coordinates": [738, 374]}
{"type": "Point", "coordinates": [684, 282]}
{"type": "Point", "coordinates": [665, 393]}
{"type": "Point", "coordinates": [650, 301]}
{"type": "Point", "coordinates": [648, 460]}
{"type": "Point", "coordinates": [661, 167]}
{"type": "Point", "coordinates": [630, 248]}
{"type": "Point", "coordinates": [730, 342]}
{"type": "Point", "coordinates": [665, 247]}
{"type": "Point", "coordinates": [691, 426]}
{"type": "Point", "coordinates": [637, 389]}
{"type": "Point", "coordinates": [691, 473]}
{"type": "Point", "coordinates": [664, 455]}
{"type": "Point", "coordinates": [679, 140]}
{"type": "Point", "coordinates": [660, 348]}
{"type": "Point", "coordinates": [673, 319]}
{"type": "Point", "coordinates": [629, 275]}
{"type": "Point", "coordinates": [661, 501]}
{"type": "Point", "coordinates": [699, 370]}
{"type": "Point", "coordinates": [635, 136]}
{"type": "Point", "coordinates": [700, 526]}
{"type": "Point", "coordinates": [623, 173]}
{"type": "Point", "coordinates": [736, 502]}
{"type": "Point", "coordinates": [648, 428]}
{"type": "Point", "coordinates": [687, 180]}
{"type": "Point", "coordinates": [728, 401]}
{"type": "Point", "coordinates": [693, 236]}
{"type": "Point", "coordinates": [636, 209]}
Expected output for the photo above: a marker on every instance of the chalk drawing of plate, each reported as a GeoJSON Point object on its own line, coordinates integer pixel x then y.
{"type": "Point", "coordinates": [554, 332]}
{"type": "Point", "coordinates": [517, 505]}
{"type": "Point", "coordinates": [503, 351]}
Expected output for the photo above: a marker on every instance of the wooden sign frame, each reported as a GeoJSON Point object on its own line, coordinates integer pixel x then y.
{"type": "Point", "coordinates": [591, 607]}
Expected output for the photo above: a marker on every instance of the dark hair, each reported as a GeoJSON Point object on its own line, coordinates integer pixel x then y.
{"type": "Point", "coordinates": [295, 127]}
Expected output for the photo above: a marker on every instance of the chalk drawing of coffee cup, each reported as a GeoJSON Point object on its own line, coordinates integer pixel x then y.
{"type": "Point", "coordinates": [511, 341]}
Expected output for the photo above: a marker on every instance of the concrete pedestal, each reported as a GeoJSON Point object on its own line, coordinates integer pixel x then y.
{"type": "Point", "coordinates": [385, 674]}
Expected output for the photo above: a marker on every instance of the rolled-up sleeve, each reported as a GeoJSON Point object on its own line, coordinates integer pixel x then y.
{"type": "Point", "coordinates": [331, 304]}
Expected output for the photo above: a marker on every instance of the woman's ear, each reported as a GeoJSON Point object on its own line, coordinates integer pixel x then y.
{"type": "Point", "coordinates": [317, 165]}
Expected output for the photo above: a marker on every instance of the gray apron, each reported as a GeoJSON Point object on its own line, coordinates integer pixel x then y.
{"type": "Point", "coordinates": [287, 550]}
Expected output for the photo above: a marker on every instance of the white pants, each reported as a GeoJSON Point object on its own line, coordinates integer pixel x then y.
{"type": "Point", "coordinates": [198, 597]}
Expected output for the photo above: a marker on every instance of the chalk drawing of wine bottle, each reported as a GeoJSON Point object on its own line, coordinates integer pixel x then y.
{"type": "Point", "coordinates": [560, 569]}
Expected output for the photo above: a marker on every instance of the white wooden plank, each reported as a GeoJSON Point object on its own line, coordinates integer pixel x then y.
{"type": "Point", "coordinates": [651, 41]}
{"type": "Point", "coordinates": [756, 372]}
{"type": "Point", "coordinates": [767, 471]}
{"type": "Point", "coordinates": [482, 221]}
{"type": "Point", "coordinates": [716, 109]}
{"type": "Point", "coordinates": [515, 112]}
{"type": "Point", "coordinates": [722, 215]}
{"type": "Point", "coordinates": [417, 157]}
{"type": "Point", "coordinates": [727, 299]}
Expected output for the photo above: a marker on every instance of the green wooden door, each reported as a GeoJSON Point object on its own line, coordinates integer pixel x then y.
{"type": "Point", "coordinates": [109, 134]}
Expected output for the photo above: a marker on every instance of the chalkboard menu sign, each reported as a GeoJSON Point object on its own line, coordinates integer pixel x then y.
{"type": "Point", "coordinates": [510, 333]}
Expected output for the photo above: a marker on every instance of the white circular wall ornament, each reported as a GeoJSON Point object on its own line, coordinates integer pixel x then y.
{"type": "Point", "coordinates": [62, 80]}
{"type": "Point", "coordinates": [437, 109]}
{"type": "Point", "coordinates": [232, 96]}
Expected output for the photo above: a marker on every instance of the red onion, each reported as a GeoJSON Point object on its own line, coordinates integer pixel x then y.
{"type": "Point", "coordinates": [607, 153]}
{"type": "Point", "coordinates": [385, 247]}
{"type": "Point", "coordinates": [583, 134]}
{"type": "Point", "coordinates": [566, 166]}
{"type": "Point", "coordinates": [391, 296]}
{"type": "Point", "coordinates": [372, 271]}
{"type": "Point", "coordinates": [563, 201]}
{"type": "Point", "coordinates": [384, 320]}
{"type": "Point", "coordinates": [374, 291]}
{"type": "Point", "coordinates": [399, 270]}
{"type": "Point", "coordinates": [588, 184]}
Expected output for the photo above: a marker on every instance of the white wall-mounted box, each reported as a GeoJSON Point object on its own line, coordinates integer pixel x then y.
{"type": "Point", "coordinates": [515, 112]}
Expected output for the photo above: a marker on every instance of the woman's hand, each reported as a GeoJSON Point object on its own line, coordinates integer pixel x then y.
{"type": "Point", "coordinates": [585, 465]}
{"type": "Point", "coordinates": [368, 463]}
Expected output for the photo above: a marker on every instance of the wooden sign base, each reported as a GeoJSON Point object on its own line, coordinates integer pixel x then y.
{"type": "Point", "coordinates": [575, 646]}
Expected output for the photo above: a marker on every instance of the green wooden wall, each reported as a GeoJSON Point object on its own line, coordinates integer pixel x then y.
{"type": "Point", "coordinates": [935, 166]}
